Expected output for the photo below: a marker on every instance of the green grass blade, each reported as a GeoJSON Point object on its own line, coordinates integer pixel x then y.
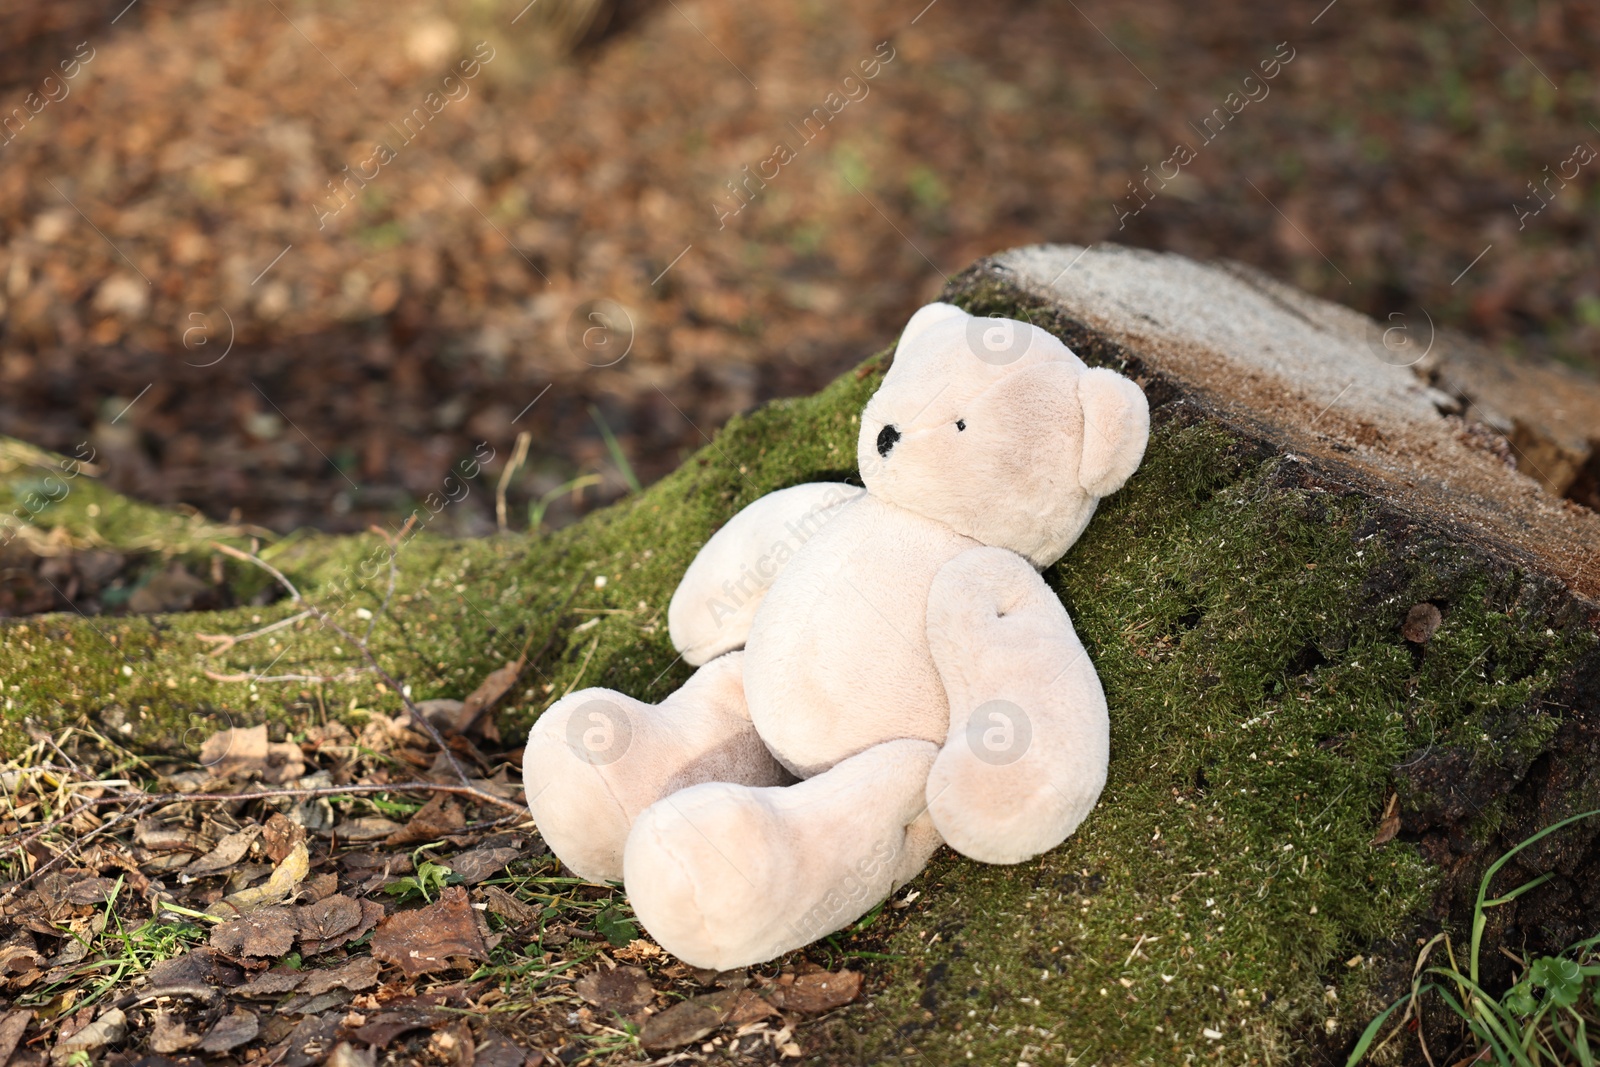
{"type": "Point", "coordinates": [1579, 1049]}
{"type": "Point", "coordinates": [1521, 889]}
{"type": "Point", "coordinates": [1485, 1037]}
{"type": "Point", "coordinates": [612, 446]}
{"type": "Point", "coordinates": [1478, 920]}
{"type": "Point", "coordinates": [1370, 1034]}
{"type": "Point", "coordinates": [1585, 1053]}
{"type": "Point", "coordinates": [1496, 1019]}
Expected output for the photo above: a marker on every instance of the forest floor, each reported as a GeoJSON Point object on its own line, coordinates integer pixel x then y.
{"type": "Point", "coordinates": [356, 902]}
{"type": "Point", "coordinates": [198, 294]}
{"type": "Point", "coordinates": [606, 248]}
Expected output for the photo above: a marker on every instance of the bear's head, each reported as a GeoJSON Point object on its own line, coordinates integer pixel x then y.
{"type": "Point", "coordinates": [994, 428]}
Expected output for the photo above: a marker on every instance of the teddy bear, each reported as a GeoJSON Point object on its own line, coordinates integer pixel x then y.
{"type": "Point", "coordinates": [881, 670]}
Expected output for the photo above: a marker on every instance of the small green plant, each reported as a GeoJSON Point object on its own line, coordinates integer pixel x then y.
{"type": "Point", "coordinates": [834, 945]}
{"type": "Point", "coordinates": [430, 878]}
{"type": "Point", "coordinates": [613, 923]}
{"type": "Point", "coordinates": [611, 1041]}
{"type": "Point", "coordinates": [392, 808]}
{"type": "Point", "coordinates": [1550, 1016]}
{"type": "Point", "coordinates": [117, 952]}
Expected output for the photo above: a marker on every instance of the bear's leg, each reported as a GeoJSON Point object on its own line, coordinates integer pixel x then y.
{"type": "Point", "coordinates": [596, 759]}
{"type": "Point", "coordinates": [1029, 741]}
{"type": "Point", "coordinates": [725, 875]}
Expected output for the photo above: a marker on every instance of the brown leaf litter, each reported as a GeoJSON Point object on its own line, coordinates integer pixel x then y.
{"type": "Point", "coordinates": [427, 939]}
{"type": "Point", "coordinates": [285, 938]}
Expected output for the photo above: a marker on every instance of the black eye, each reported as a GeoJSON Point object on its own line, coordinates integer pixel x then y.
{"type": "Point", "coordinates": [888, 437]}
{"type": "Point", "coordinates": [961, 424]}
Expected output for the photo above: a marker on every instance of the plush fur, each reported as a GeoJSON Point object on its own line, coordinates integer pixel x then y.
{"type": "Point", "coordinates": [881, 670]}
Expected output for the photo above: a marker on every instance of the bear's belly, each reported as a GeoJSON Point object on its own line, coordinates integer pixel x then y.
{"type": "Point", "coordinates": [837, 659]}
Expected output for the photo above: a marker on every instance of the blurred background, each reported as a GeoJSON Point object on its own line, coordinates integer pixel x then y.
{"type": "Point", "coordinates": [290, 263]}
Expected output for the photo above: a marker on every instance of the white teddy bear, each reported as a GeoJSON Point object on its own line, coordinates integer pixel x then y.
{"type": "Point", "coordinates": [881, 670]}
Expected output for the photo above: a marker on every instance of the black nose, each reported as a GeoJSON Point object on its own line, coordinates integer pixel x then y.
{"type": "Point", "coordinates": [886, 440]}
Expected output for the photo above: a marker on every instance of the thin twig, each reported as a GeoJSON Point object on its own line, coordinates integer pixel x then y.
{"type": "Point", "coordinates": [77, 846]}
{"type": "Point", "coordinates": [321, 679]}
{"type": "Point", "coordinates": [489, 824]}
{"type": "Point", "coordinates": [410, 705]}
{"type": "Point", "coordinates": [250, 557]}
{"type": "Point", "coordinates": [518, 457]}
{"type": "Point", "coordinates": [226, 641]}
{"type": "Point", "coordinates": [20, 847]}
{"type": "Point", "coordinates": [47, 739]}
{"type": "Point", "coordinates": [583, 667]}
{"type": "Point", "coordinates": [394, 549]}
{"type": "Point", "coordinates": [327, 791]}
{"type": "Point", "coordinates": [328, 620]}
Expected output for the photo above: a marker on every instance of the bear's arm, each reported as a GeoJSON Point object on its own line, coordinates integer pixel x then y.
{"type": "Point", "coordinates": [1029, 741]}
{"type": "Point", "coordinates": [715, 603]}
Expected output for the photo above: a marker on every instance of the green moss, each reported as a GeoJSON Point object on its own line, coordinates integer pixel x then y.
{"type": "Point", "coordinates": [461, 608]}
{"type": "Point", "coordinates": [1244, 621]}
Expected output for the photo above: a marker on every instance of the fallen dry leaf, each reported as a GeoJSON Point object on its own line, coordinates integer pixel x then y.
{"type": "Point", "coordinates": [1389, 824]}
{"type": "Point", "coordinates": [359, 865]}
{"type": "Point", "coordinates": [266, 932]}
{"type": "Point", "coordinates": [306, 1044]}
{"type": "Point", "coordinates": [426, 939]}
{"type": "Point", "coordinates": [372, 914]}
{"type": "Point", "coordinates": [816, 992]}
{"type": "Point", "coordinates": [389, 1025]}
{"type": "Point", "coordinates": [229, 851]}
{"type": "Point", "coordinates": [623, 990]}
{"type": "Point", "coordinates": [435, 819]}
{"type": "Point", "coordinates": [497, 1050]}
{"type": "Point", "coordinates": [174, 846]}
{"type": "Point", "coordinates": [204, 968]}
{"type": "Point", "coordinates": [169, 1034]}
{"type": "Point", "coordinates": [246, 752]}
{"type": "Point", "coordinates": [513, 910]}
{"type": "Point", "coordinates": [355, 975]}
{"type": "Point", "coordinates": [231, 1031]}
{"type": "Point", "coordinates": [106, 1030]}
{"type": "Point", "coordinates": [488, 693]}
{"type": "Point", "coordinates": [363, 828]}
{"type": "Point", "coordinates": [11, 1030]}
{"type": "Point", "coordinates": [319, 887]}
{"type": "Point", "coordinates": [480, 863]}
{"type": "Point", "coordinates": [327, 924]}
{"type": "Point", "coordinates": [95, 890]}
{"type": "Point", "coordinates": [285, 877]}
{"type": "Point", "coordinates": [692, 1019]}
{"type": "Point", "coordinates": [271, 983]}
{"type": "Point", "coordinates": [20, 965]}
{"type": "Point", "coordinates": [280, 835]}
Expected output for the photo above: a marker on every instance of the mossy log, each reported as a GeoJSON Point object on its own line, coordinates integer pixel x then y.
{"type": "Point", "coordinates": [1244, 598]}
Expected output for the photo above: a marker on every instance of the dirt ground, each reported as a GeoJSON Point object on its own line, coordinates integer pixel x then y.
{"type": "Point", "coordinates": [320, 273]}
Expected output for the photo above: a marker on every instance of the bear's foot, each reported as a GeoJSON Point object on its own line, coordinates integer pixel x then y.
{"type": "Point", "coordinates": [596, 759]}
{"type": "Point", "coordinates": [726, 875]}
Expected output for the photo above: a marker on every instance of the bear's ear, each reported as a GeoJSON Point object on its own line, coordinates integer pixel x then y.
{"type": "Point", "coordinates": [1116, 428]}
{"type": "Point", "coordinates": [925, 317]}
